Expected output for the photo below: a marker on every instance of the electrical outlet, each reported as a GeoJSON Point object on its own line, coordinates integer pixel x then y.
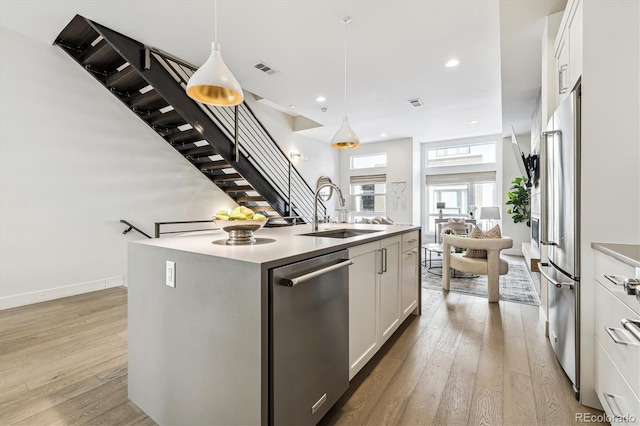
{"type": "Point", "coordinates": [637, 273]}
{"type": "Point", "coordinates": [170, 274]}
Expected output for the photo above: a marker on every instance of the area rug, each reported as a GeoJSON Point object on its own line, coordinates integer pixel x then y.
{"type": "Point", "coordinates": [516, 286]}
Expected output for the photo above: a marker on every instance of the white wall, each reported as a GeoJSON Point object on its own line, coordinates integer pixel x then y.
{"type": "Point", "coordinates": [400, 161]}
{"type": "Point", "coordinates": [73, 162]}
{"type": "Point", "coordinates": [519, 232]}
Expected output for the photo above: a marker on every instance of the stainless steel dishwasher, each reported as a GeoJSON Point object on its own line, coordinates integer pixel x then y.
{"type": "Point", "coordinates": [308, 338]}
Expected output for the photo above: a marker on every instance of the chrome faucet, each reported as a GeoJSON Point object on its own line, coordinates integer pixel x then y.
{"type": "Point", "coordinates": [315, 201]}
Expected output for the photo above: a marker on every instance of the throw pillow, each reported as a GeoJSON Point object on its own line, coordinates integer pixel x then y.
{"type": "Point", "coordinates": [457, 225]}
{"type": "Point", "coordinates": [478, 233]}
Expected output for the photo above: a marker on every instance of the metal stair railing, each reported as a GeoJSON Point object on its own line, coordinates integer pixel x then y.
{"type": "Point", "coordinates": [133, 228]}
{"type": "Point", "coordinates": [241, 125]}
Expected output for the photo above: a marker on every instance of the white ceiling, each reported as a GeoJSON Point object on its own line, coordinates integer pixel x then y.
{"type": "Point", "coordinates": [396, 51]}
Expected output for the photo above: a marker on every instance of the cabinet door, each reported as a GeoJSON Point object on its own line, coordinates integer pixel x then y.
{"type": "Point", "coordinates": [390, 287]}
{"type": "Point", "coordinates": [575, 46]}
{"type": "Point", "coordinates": [363, 302]}
{"type": "Point", "coordinates": [409, 288]}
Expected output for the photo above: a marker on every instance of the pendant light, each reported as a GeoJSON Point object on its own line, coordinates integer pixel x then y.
{"type": "Point", "coordinates": [346, 137]}
{"type": "Point", "coordinates": [213, 83]}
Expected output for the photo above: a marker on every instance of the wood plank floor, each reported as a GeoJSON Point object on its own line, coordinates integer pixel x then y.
{"type": "Point", "coordinates": [464, 361]}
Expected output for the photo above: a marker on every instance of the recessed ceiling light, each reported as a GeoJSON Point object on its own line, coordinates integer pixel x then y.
{"type": "Point", "coordinates": [473, 122]}
{"type": "Point", "coordinates": [383, 135]}
{"type": "Point", "coordinates": [292, 106]}
{"type": "Point", "coordinates": [452, 63]}
{"type": "Point", "coordinates": [321, 99]}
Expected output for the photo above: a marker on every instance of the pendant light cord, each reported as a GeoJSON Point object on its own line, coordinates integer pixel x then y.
{"type": "Point", "coordinates": [345, 67]}
{"type": "Point", "coordinates": [215, 20]}
{"type": "Point", "coordinates": [345, 21]}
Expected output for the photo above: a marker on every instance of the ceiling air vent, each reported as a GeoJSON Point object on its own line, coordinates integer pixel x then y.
{"type": "Point", "coordinates": [415, 102]}
{"type": "Point", "coordinates": [265, 68]}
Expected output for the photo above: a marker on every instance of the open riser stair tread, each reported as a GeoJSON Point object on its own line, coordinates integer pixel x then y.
{"type": "Point", "coordinates": [148, 101]}
{"type": "Point", "coordinates": [101, 57]}
{"type": "Point", "coordinates": [231, 177]}
{"type": "Point", "coordinates": [197, 151]}
{"type": "Point", "coordinates": [168, 119]}
{"type": "Point", "coordinates": [127, 80]}
{"type": "Point", "coordinates": [245, 199]}
{"type": "Point", "coordinates": [238, 188]}
{"type": "Point", "coordinates": [187, 136]}
{"type": "Point", "coordinates": [213, 165]}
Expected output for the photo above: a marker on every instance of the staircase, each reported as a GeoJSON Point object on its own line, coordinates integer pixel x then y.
{"type": "Point", "coordinates": [228, 145]}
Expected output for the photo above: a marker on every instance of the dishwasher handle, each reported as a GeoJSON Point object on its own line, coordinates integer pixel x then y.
{"type": "Point", "coordinates": [291, 282]}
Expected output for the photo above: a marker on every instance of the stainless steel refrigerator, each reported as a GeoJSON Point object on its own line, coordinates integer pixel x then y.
{"type": "Point", "coordinates": [561, 232]}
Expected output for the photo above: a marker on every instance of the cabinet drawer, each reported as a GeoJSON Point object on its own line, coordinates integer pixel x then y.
{"type": "Point", "coordinates": [410, 240]}
{"type": "Point", "coordinates": [613, 392]}
{"type": "Point", "coordinates": [625, 356]}
{"type": "Point", "coordinates": [607, 265]}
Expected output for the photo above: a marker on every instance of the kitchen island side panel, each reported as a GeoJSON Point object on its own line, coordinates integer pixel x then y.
{"type": "Point", "coordinates": [195, 351]}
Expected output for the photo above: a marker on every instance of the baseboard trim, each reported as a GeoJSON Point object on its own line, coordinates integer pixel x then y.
{"type": "Point", "coordinates": [24, 299]}
{"type": "Point", "coordinates": [513, 252]}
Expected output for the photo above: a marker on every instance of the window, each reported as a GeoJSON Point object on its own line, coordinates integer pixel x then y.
{"type": "Point", "coordinates": [464, 155]}
{"type": "Point", "coordinates": [369, 193]}
{"type": "Point", "coordinates": [368, 161]}
{"type": "Point", "coordinates": [459, 192]}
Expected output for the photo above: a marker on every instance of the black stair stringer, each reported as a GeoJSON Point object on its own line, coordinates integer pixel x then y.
{"type": "Point", "coordinates": [154, 74]}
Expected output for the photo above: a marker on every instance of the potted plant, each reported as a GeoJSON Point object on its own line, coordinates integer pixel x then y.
{"type": "Point", "coordinates": [519, 198]}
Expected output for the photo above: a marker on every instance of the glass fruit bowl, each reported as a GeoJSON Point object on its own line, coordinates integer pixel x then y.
{"type": "Point", "coordinates": [240, 231]}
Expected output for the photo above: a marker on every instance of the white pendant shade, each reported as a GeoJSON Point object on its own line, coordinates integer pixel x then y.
{"type": "Point", "coordinates": [213, 83]}
{"type": "Point", "coordinates": [346, 137]}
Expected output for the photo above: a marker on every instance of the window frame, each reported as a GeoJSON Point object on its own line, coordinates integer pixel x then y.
{"type": "Point", "coordinates": [352, 157]}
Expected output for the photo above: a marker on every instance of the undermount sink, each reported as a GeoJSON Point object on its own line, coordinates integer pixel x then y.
{"type": "Point", "coordinates": [341, 233]}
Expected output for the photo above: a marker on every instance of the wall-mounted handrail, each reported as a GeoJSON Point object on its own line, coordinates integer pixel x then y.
{"type": "Point", "coordinates": [133, 228]}
{"type": "Point", "coordinates": [159, 224]}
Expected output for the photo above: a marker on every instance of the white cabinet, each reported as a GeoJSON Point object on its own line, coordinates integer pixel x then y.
{"type": "Point", "coordinates": [363, 305]}
{"type": "Point", "coordinates": [568, 49]}
{"type": "Point", "coordinates": [389, 287]}
{"type": "Point", "coordinates": [374, 298]}
{"type": "Point", "coordinates": [617, 363]}
{"type": "Point", "coordinates": [410, 273]}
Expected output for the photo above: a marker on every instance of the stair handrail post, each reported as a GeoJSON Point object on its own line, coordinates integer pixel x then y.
{"type": "Point", "coordinates": [236, 133]}
{"type": "Point", "coordinates": [289, 192]}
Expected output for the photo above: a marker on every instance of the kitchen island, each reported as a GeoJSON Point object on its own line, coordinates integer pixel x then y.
{"type": "Point", "coordinates": [199, 351]}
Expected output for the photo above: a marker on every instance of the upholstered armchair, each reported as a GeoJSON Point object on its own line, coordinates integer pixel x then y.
{"type": "Point", "coordinates": [492, 265]}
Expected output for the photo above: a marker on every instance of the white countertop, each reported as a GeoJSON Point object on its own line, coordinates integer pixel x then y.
{"type": "Point", "coordinates": [627, 253]}
{"type": "Point", "coordinates": [288, 244]}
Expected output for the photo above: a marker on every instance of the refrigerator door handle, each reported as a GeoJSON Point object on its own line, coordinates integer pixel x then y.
{"type": "Point", "coordinates": [544, 229]}
{"type": "Point", "coordinates": [558, 284]}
